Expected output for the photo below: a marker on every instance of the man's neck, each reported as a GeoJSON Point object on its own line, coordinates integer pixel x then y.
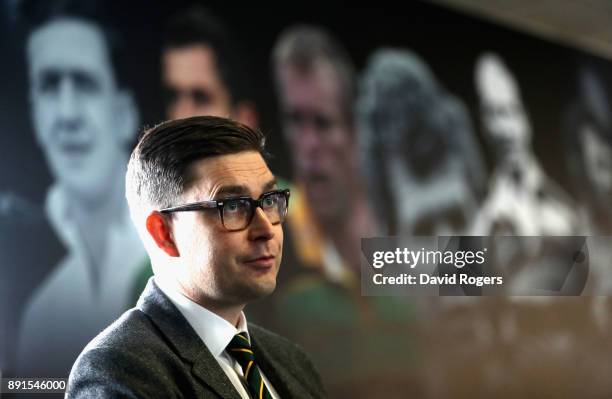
{"type": "Point", "coordinates": [229, 312]}
{"type": "Point", "coordinates": [97, 213]}
{"type": "Point", "coordinates": [92, 220]}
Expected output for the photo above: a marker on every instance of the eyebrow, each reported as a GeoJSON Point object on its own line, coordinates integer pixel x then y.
{"type": "Point", "coordinates": [243, 190]}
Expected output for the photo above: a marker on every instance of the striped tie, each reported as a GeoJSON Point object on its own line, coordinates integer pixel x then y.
{"type": "Point", "coordinates": [240, 349]}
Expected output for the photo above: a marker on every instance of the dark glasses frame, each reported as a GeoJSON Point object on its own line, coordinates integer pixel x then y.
{"type": "Point", "coordinates": [219, 204]}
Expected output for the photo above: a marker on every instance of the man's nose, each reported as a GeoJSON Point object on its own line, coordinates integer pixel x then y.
{"type": "Point", "coordinates": [67, 101]}
{"type": "Point", "coordinates": [261, 228]}
{"type": "Point", "coordinates": [183, 107]}
{"type": "Point", "coordinates": [309, 139]}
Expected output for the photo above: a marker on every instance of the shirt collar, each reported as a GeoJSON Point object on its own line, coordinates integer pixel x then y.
{"type": "Point", "coordinates": [57, 206]}
{"type": "Point", "coordinates": [213, 330]}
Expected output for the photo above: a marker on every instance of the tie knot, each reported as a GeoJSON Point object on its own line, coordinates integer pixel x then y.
{"type": "Point", "coordinates": [240, 349]}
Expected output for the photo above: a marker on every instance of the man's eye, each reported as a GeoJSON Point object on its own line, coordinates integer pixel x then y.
{"type": "Point", "coordinates": [170, 95]}
{"type": "Point", "coordinates": [201, 97]}
{"type": "Point", "coordinates": [86, 83]}
{"type": "Point", "coordinates": [322, 122]}
{"type": "Point", "coordinates": [270, 200]}
{"type": "Point", "coordinates": [49, 82]}
{"type": "Point", "coordinates": [235, 206]}
{"type": "Point", "coordinates": [293, 118]}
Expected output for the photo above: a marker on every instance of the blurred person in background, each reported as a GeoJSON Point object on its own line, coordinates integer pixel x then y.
{"type": "Point", "coordinates": [362, 345]}
{"type": "Point", "coordinates": [422, 161]}
{"type": "Point", "coordinates": [588, 145]}
{"type": "Point", "coordinates": [509, 342]}
{"type": "Point", "coordinates": [23, 222]}
{"type": "Point", "coordinates": [589, 150]}
{"type": "Point", "coordinates": [85, 120]}
{"type": "Point", "coordinates": [421, 156]}
{"type": "Point", "coordinates": [315, 80]}
{"type": "Point", "coordinates": [522, 200]}
{"type": "Point", "coordinates": [202, 71]}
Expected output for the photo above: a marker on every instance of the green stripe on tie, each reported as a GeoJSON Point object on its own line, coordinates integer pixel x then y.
{"type": "Point", "coordinates": [240, 349]}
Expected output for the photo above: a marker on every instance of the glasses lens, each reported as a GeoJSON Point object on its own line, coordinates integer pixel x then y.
{"type": "Point", "coordinates": [275, 206]}
{"type": "Point", "coordinates": [236, 214]}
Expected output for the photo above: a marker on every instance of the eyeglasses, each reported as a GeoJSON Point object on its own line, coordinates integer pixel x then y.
{"type": "Point", "coordinates": [236, 213]}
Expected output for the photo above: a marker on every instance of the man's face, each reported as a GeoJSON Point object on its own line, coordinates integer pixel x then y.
{"type": "Point", "coordinates": [229, 267]}
{"type": "Point", "coordinates": [597, 155]}
{"type": "Point", "coordinates": [319, 136]}
{"type": "Point", "coordinates": [74, 101]}
{"type": "Point", "coordinates": [193, 83]}
{"type": "Point", "coordinates": [503, 115]}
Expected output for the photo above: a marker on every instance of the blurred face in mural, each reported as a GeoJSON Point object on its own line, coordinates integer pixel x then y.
{"type": "Point", "coordinates": [194, 86]}
{"type": "Point", "coordinates": [320, 136]}
{"type": "Point", "coordinates": [593, 140]}
{"type": "Point", "coordinates": [597, 158]}
{"type": "Point", "coordinates": [503, 116]}
{"type": "Point", "coordinates": [193, 83]}
{"type": "Point", "coordinates": [82, 120]}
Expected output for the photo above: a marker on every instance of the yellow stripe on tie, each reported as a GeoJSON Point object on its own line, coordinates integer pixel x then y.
{"type": "Point", "coordinates": [261, 390]}
{"type": "Point", "coordinates": [242, 350]}
{"type": "Point", "coordinates": [246, 374]}
{"type": "Point", "coordinates": [244, 338]}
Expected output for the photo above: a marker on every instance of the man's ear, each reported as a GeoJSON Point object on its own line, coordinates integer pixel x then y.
{"type": "Point", "coordinates": [246, 113]}
{"type": "Point", "coordinates": [159, 229]}
{"type": "Point", "coordinates": [126, 116]}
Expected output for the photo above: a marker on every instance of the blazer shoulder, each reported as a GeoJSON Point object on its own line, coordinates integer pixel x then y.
{"type": "Point", "coordinates": [127, 359]}
{"type": "Point", "coordinates": [133, 327]}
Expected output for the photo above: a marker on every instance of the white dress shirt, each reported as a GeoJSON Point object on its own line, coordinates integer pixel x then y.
{"type": "Point", "coordinates": [216, 333]}
{"type": "Point", "coordinates": [71, 307]}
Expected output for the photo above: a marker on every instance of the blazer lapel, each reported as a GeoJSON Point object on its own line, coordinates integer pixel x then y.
{"type": "Point", "coordinates": [280, 376]}
{"type": "Point", "coordinates": [185, 341]}
{"type": "Point", "coordinates": [207, 369]}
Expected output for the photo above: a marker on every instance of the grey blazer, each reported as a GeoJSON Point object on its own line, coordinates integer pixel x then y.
{"type": "Point", "coordinates": [151, 351]}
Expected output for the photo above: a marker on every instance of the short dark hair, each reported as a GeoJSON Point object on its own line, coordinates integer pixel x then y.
{"type": "Point", "coordinates": [37, 13]}
{"type": "Point", "coordinates": [197, 25]}
{"type": "Point", "coordinates": [158, 170]}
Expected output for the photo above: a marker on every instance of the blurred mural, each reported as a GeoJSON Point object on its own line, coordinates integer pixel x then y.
{"type": "Point", "coordinates": [421, 154]}
{"type": "Point", "coordinates": [417, 122]}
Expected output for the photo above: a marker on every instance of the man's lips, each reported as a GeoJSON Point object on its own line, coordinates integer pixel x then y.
{"type": "Point", "coordinates": [261, 262]}
{"type": "Point", "coordinates": [75, 149]}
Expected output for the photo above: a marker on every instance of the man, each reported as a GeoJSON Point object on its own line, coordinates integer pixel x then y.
{"type": "Point", "coordinates": [522, 199]}
{"type": "Point", "coordinates": [323, 309]}
{"type": "Point", "coordinates": [588, 139]}
{"type": "Point", "coordinates": [202, 73]}
{"type": "Point", "coordinates": [588, 148]}
{"type": "Point", "coordinates": [209, 214]}
{"type": "Point", "coordinates": [84, 121]}
{"type": "Point", "coordinates": [423, 160]}
{"type": "Point", "coordinates": [315, 79]}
